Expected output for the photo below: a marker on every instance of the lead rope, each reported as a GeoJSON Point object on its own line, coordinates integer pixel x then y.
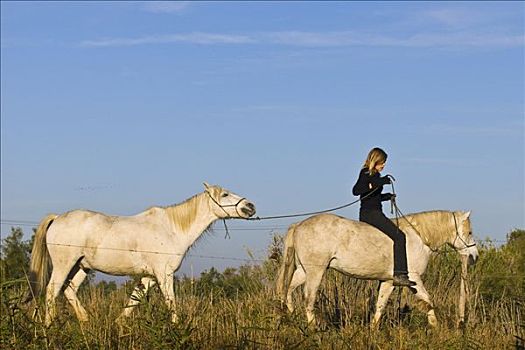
{"type": "Point", "coordinates": [314, 212]}
{"type": "Point", "coordinates": [227, 235]}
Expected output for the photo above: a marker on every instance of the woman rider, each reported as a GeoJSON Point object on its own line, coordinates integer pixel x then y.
{"type": "Point", "coordinates": [369, 186]}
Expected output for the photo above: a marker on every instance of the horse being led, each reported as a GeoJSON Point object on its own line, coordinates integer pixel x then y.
{"type": "Point", "coordinates": [153, 243]}
{"type": "Point", "coordinates": [362, 251]}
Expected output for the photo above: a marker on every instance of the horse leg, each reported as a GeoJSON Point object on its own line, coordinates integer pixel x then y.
{"type": "Point", "coordinates": [166, 287]}
{"type": "Point", "coordinates": [424, 303]}
{"type": "Point", "coordinates": [385, 289]}
{"type": "Point", "coordinates": [71, 294]}
{"type": "Point", "coordinates": [56, 281]}
{"type": "Point", "coordinates": [405, 304]}
{"type": "Point", "coordinates": [138, 293]}
{"type": "Point", "coordinates": [298, 278]}
{"type": "Point", "coordinates": [314, 275]}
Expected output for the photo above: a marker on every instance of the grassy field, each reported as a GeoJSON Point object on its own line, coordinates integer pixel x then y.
{"type": "Point", "coordinates": [238, 309]}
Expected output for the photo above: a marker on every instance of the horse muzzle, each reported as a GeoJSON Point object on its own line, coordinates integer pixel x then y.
{"type": "Point", "coordinates": [248, 209]}
{"type": "Point", "coordinates": [472, 259]}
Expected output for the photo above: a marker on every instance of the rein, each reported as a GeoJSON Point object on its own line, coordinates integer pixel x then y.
{"type": "Point", "coordinates": [400, 214]}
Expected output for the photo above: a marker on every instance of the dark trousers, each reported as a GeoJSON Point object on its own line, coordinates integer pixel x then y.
{"type": "Point", "coordinates": [377, 219]}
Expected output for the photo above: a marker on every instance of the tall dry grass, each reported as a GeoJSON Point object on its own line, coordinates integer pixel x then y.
{"type": "Point", "coordinates": [250, 317]}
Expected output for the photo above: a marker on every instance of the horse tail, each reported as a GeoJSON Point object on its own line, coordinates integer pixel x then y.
{"type": "Point", "coordinates": [40, 265]}
{"type": "Point", "coordinates": [288, 264]}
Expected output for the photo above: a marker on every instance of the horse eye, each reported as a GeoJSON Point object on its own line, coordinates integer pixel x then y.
{"type": "Point", "coordinates": [224, 195]}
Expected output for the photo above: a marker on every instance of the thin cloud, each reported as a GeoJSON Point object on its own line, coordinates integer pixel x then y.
{"type": "Point", "coordinates": [313, 39]}
{"type": "Point", "coordinates": [452, 17]}
{"type": "Point", "coordinates": [166, 7]}
{"type": "Point", "coordinates": [323, 39]}
{"type": "Point", "coordinates": [466, 17]}
{"type": "Point", "coordinates": [193, 38]}
{"type": "Point", "coordinates": [341, 39]}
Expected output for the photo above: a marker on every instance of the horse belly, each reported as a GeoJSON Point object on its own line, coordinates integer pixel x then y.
{"type": "Point", "coordinates": [365, 256]}
{"type": "Point", "coordinates": [116, 263]}
{"type": "Point", "coordinates": [363, 264]}
{"type": "Point", "coordinates": [120, 254]}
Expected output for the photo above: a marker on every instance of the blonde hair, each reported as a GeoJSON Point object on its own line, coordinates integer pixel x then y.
{"type": "Point", "coordinates": [183, 215]}
{"type": "Point", "coordinates": [375, 156]}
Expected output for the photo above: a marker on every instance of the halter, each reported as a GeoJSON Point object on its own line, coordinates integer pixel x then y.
{"type": "Point", "coordinates": [460, 238]}
{"type": "Point", "coordinates": [228, 216]}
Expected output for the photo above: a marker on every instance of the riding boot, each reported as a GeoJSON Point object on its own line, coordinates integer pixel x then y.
{"type": "Point", "coordinates": [403, 280]}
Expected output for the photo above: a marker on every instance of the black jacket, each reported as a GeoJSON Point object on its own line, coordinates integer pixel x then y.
{"type": "Point", "coordinates": [362, 189]}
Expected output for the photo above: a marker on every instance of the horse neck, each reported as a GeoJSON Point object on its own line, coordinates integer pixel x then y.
{"type": "Point", "coordinates": [435, 228]}
{"type": "Point", "coordinates": [192, 217]}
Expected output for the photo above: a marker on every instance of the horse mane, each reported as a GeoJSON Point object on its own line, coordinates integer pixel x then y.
{"type": "Point", "coordinates": [183, 215]}
{"type": "Point", "coordinates": [432, 226]}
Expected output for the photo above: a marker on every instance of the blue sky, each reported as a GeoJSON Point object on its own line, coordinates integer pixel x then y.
{"type": "Point", "coordinates": [118, 106]}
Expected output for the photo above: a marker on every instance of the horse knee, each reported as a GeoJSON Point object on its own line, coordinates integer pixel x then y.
{"type": "Point", "coordinates": [428, 308]}
{"type": "Point", "coordinates": [432, 320]}
{"type": "Point", "coordinates": [425, 306]}
{"type": "Point", "coordinates": [79, 309]}
{"type": "Point", "coordinates": [82, 317]}
{"type": "Point", "coordinates": [290, 307]}
{"type": "Point", "coordinates": [375, 322]}
{"type": "Point", "coordinates": [50, 313]}
{"type": "Point", "coordinates": [310, 316]}
{"type": "Point", "coordinates": [289, 301]}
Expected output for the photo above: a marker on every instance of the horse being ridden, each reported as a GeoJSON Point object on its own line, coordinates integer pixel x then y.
{"type": "Point", "coordinates": [362, 251]}
{"type": "Point", "coordinates": [152, 243]}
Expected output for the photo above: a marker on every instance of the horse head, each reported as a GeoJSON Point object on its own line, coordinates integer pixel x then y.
{"type": "Point", "coordinates": [463, 241]}
{"type": "Point", "coordinates": [226, 204]}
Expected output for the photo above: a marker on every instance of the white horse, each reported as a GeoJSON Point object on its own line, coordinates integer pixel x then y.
{"type": "Point", "coordinates": [362, 251]}
{"type": "Point", "coordinates": [152, 243]}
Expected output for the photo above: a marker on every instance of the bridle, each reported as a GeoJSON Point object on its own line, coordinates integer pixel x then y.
{"type": "Point", "coordinates": [466, 245]}
{"type": "Point", "coordinates": [399, 213]}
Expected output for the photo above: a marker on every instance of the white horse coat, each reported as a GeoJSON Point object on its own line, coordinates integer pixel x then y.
{"type": "Point", "coordinates": [152, 243]}
{"type": "Point", "coordinates": [362, 251]}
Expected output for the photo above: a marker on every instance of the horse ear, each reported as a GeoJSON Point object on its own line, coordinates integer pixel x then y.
{"type": "Point", "coordinates": [464, 215]}
{"type": "Point", "coordinates": [206, 186]}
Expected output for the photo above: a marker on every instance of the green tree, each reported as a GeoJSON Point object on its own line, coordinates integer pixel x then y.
{"type": "Point", "coordinates": [516, 242]}
{"type": "Point", "coordinates": [15, 255]}
{"type": "Point", "coordinates": [211, 281]}
{"type": "Point", "coordinates": [516, 247]}
{"type": "Point", "coordinates": [107, 287]}
{"type": "Point", "coordinates": [502, 269]}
